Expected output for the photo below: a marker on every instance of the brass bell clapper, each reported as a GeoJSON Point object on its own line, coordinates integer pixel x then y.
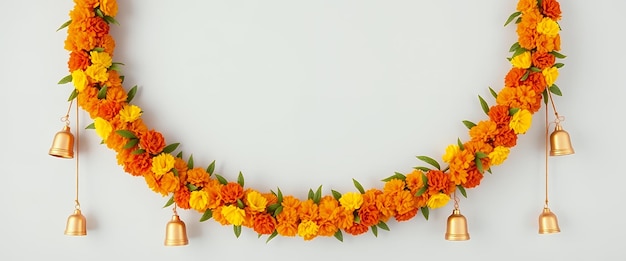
{"type": "Point", "coordinates": [456, 229]}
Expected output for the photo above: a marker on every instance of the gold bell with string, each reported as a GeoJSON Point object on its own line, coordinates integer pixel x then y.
{"type": "Point", "coordinates": [548, 222]}
{"type": "Point", "coordinates": [560, 142]}
{"type": "Point", "coordinates": [176, 232]}
{"type": "Point", "coordinates": [76, 224]}
{"type": "Point", "coordinates": [457, 227]}
{"type": "Point", "coordinates": [63, 144]}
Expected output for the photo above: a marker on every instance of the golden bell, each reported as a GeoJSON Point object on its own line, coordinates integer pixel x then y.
{"type": "Point", "coordinates": [560, 142]}
{"type": "Point", "coordinates": [548, 223]}
{"type": "Point", "coordinates": [76, 224]}
{"type": "Point", "coordinates": [176, 232]}
{"type": "Point", "coordinates": [63, 144]}
{"type": "Point", "coordinates": [457, 227]}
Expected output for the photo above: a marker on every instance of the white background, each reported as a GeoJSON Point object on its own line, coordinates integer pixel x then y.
{"type": "Point", "coordinates": [298, 94]}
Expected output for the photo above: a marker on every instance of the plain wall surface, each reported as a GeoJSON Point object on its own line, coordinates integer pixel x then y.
{"type": "Point", "coordinates": [298, 94]}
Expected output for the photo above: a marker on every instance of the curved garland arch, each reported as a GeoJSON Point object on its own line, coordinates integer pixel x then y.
{"type": "Point", "coordinates": [98, 89]}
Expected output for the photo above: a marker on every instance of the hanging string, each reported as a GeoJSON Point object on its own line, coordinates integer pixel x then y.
{"type": "Point", "coordinates": [547, 131]}
{"type": "Point", "coordinates": [77, 153]}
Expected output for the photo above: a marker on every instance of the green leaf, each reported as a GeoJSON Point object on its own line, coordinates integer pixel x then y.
{"type": "Point", "coordinates": [462, 190]}
{"type": "Point", "coordinates": [461, 146]}
{"type": "Point", "coordinates": [190, 162]}
{"type": "Point", "coordinates": [545, 96]}
{"type": "Point", "coordinates": [357, 219]}
{"type": "Point", "coordinates": [484, 105]}
{"type": "Point", "coordinates": [99, 13]}
{"type": "Point", "coordinates": [237, 230]}
{"type": "Point", "coordinates": [558, 55]}
{"type": "Point", "coordinates": [559, 65]}
{"type": "Point", "coordinates": [318, 195]}
{"type": "Point", "coordinates": [272, 236]}
{"type": "Point", "coordinates": [131, 94]}
{"type": "Point", "coordinates": [397, 175]}
{"type": "Point", "coordinates": [175, 171]}
{"type": "Point", "coordinates": [122, 77]}
{"type": "Point", "coordinates": [169, 202]}
{"type": "Point", "coordinates": [102, 93]}
{"type": "Point", "coordinates": [430, 161]}
{"type": "Point", "coordinates": [479, 165]}
{"type": "Point", "coordinates": [311, 194]}
{"type": "Point", "coordinates": [73, 95]}
{"type": "Point", "coordinates": [421, 191]}
{"type": "Point", "coordinates": [535, 69]}
{"type": "Point", "coordinates": [525, 77]}
{"type": "Point", "coordinates": [208, 214]}
{"type": "Point", "coordinates": [518, 52]}
{"type": "Point", "coordinates": [271, 208]}
{"type": "Point", "coordinates": [481, 155]}
{"type": "Point", "coordinates": [425, 212]}
{"type": "Point", "coordinates": [240, 179]}
{"type": "Point", "coordinates": [278, 210]}
{"type": "Point", "coordinates": [279, 196]}
{"type": "Point", "coordinates": [66, 79]}
{"type": "Point", "coordinates": [138, 151]}
{"type": "Point", "coordinates": [91, 126]}
{"type": "Point", "coordinates": [170, 148]}
{"type": "Point", "coordinates": [126, 134]}
{"type": "Point", "coordinates": [221, 179]}
{"type": "Point", "coordinates": [555, 89]}
{"type": "Point", "coordinates": [191, 187]}
{"type": "Point", "coordinates": [512, 17]}
{"type": "Point", "coordinates": [514, 47]}
{"type": "Point", "coordinates": [240, 204]}
{"type": "Point", "coordinates": [115, 67]}
{"type": "Point", "coordinates": [98, 49]}
{"type": "Point", "coordinates": [469, 124]}
{"type": "Point", "coordinates": [66, 24]}
{"type": "Point", "coordinates": [338, 235]}
{"type": "Point", "coordinates": [493, 93]}
{"type": "Point", "coordinates": [211, 168]}
{"type": "Point", "coordinates": [513, 111]}
{"type": "Point", "coordinates": [111, 20]}
{"type": "Point", "coordinates": [383, 225]}
{"type": "Point", "coordinates": [179, 155]}
{"type": "Point", "coordinates": [489, 170]}
{"type": "Point", "coordinates": [131, 144]}
{"type": "Point", "coordinates": [358, 186]}
{"type": "Point", "coordinates": [336, 194]}
{"type": "Point", "coordinates": [375, 230]}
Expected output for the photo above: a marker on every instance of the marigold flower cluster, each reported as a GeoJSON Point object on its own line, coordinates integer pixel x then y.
{"type": "Point", "coordinates": [143, 152]}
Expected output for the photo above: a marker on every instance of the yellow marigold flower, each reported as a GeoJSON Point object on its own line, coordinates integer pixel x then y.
{"type": "Point", "coordinates": [308, 230]}
{"type": "Point", "coordinates": [451, 152]}
{"type": "Point", "coordinates": [521, 121]}
{"type": "Point", "coordinates": [130, 113]}
{"type": "Point", "coordinates": [198, 200]}
{"type": "Point", "coordinates": [233, 214]}
{"type": "Point", "coordinates": [438, 200]}
{"type": "Point", "coordinates": [103, 128]}
{"type": "Point", "coordinates": [79, 79]}
{"type": "Point", "coordinates": [162, 164]}
{"type": "Point", "coordinates": [97, 72]}
{"type": "Point", "coordinates": [498, 155]}
{"type": "Point", "coordinates": [109, 7]}
{"type": "Point", "coordinates": [522, 61]}
{"type": "Point", "coordinates": [548, 27]}
{"type": "Point", "coordinates": [550, 74]}
{"type": "Point", "coordinates": [101, 59]}
{"type": "Point", "coordinates": [351, 200]}
{"type": "Point", "coordinates": [255, 201]}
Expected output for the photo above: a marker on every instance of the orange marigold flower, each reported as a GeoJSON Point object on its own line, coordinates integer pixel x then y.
{"type": "Point", "coordinates": [483, 131]}
{"type": "Point", "coordinates": [421, 200]}
{"type": "Point", "coordinates": [543, 60]}
{"type": "Point", "coordinates": [326, 228]}
{"type": "Point", "coordinates": [386, 205]}
{"type": "Point", "coordinates": [393, 185]}
{"type": "Point", "coordinates": [139, 164]}
{"type": "Point", "coordinates": [356, 229]}
{"type": "Point", "coordinates": [288, 215]}
{"type": "Point", "coordinates": [109, 7]}
{"type": "Point", "coordinates": [344, 218]}
{"type": "Point", "coordinates": [181, 167]}
{"type": "Point", "coordinates": [152, 141]}
{"type": "Point", "coordinates": [551, 8]}
{"type": "Point", "coordinates": [290, 201]}
{"type": "Point", "coordinates": [473, 178]}
{"type": "Point", "coordinates": [458, 172]}
{"type": "Point", "coordinates": [90, 4]}
{"type": "Point", "coordinates": [438, 182]}
{"type": "Point", "coordinates": [217, 215]}
{"type": "Point", "coordinates": [287, 229]}
{"type": "Point", "coordinates": [231, 192]}
{"type": "Point", "coordinates": [198, 177]}
{"type": "Point", "coordinates": [537, 82]}
{"type": "Point", "coordinates": [116, 94]}
{"type": "Point", "coordinates": [406, 216]}
{"type": "Point", "coordinates": [369, 214]}
{"type": "Point", "coordinates": [545, 43]}
{"type": "Point", "coordinates": [168, 183]}
{"type": "Point", "coordinates": [271, 198]}
{"type": "Point", "coordinates": [213, 190]}
{"type": "Point", "coordinates": [327, 206]}
{"type": "Point", "coordinates": [522, 97]}
{"type": "Point", "coordinates": [264, 224]}
{"type": "Point", "coordinates": [116, 142]}
{"type": "Point", "coordinates": [405, 202]}
{"type": "Point", "coordinates": [95, 25]}
{"type": "Point", "coordinates": [526, 5]}
{"type": "Point", "coordinates": [475, 146]}
{"type": "Point", "coordinates": [107, 43]}
{"type": "Point", "coordinates": [308, 210]}
{"type": "Point", "coordinates": [506, 137]}
{"type": "Point", "coordinates": [181, 197]}
{"type": "Point", "coordinates": [79, 60]}
{"type": "Point", "coordinates": [500, 115]}
{"type": "Point", "coordinates": [514, 76]}
{"type": "Point", "coordinates": [108, 109]}
{"type": "Point", "coordinates": [414, 180]}
{"type": "Point", "coordinates": [81, 12]}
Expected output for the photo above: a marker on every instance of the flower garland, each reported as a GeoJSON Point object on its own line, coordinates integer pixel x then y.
{"type": "Point", "coordinates": [143, 152]}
